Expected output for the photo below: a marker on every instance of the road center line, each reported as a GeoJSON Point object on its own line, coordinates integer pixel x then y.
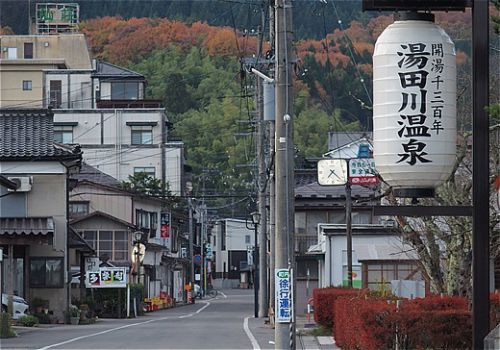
{"type": "Point", "coordinates": [118, 328]}
{"type": "Point", "coordinates": [250, 336]}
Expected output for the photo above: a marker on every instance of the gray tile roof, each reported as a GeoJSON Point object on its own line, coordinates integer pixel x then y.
{"type": "Point", "coordinates": [29, 134]}
{"type": "Point", "coordinates": [339, 139]}
{"type": "Point", "coordinates": [91, 174]}
{"type": "Point", "coordinates": [105, 69]}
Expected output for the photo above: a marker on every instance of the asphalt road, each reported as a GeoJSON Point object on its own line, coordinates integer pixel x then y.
{"type": "Point", "coordinates": [225, 322]}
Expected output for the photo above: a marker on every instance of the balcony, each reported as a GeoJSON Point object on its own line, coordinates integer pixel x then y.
{"type": "Point", "coordinates": [111, 104]}
{"type": "Point", "coordinates": [302, 243]}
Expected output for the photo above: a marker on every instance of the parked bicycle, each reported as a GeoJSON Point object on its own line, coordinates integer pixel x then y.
{"type": "Point", "coordinates": [211, 291]}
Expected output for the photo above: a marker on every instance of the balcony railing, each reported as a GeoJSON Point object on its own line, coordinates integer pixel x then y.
{"type": "Point", "coordinates": [129, 104]}
{"type": "Point", "coordinates": [302, 243]}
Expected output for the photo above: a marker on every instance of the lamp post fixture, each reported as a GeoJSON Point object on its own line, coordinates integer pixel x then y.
{"type": "Point", "coordinates": [255, 221]}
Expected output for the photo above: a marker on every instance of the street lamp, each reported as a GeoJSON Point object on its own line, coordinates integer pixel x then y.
{"type": "Point", "coordinates": [255, 221]}
{"type": "Point", "coordinates": [136, 256]}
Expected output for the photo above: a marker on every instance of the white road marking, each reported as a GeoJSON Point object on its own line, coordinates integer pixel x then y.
{"type": "Point", "coordinates": [250, 336]}
{"type": "Point", "coordinates": [224, 295]}
{"type": "Point", "coordinates": [271, 342]}
{"type": "Point", "coordinates": [204, 307]}
{"type": "Point", "coordinates": [121, 327]}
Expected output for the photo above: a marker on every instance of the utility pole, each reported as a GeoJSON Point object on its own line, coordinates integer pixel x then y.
{"type": "Point", "coordinates": [261, 185]}
{"type": "Point", "coordinates": [191, 237]}
{"type": "Point", "coordinates": [272, 201]}
{"type": "Point", "coordinates": [348, 224]}
{"type": "Point", "coordinates": [284, 330]}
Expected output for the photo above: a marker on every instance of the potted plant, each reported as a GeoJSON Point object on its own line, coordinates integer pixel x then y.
{"type": "Point", "coordinates": [74, 315]}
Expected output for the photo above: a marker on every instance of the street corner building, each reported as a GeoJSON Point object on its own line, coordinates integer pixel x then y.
{"type": "Point", "coordinates": [34, 181]}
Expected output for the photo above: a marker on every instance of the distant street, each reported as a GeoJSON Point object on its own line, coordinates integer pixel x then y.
{"type": "Point", "coordinates": [209, 324]}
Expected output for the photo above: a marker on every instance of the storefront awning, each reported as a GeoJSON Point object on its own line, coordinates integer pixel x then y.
{"type": "Point", "coordinates": [39, 226]}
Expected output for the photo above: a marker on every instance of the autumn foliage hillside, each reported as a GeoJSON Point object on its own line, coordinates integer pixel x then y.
{"type": "Point", "coordinates": [128, 41]}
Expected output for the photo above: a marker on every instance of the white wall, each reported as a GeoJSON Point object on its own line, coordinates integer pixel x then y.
{"type": "Point", "coordinates": [236, 231]}
{"type": "Point", "coordinates": [98, 131]}
{"type": "Point", "coordinates": [335, 254]}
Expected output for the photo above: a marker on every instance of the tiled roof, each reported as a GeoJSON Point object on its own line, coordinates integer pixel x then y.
{"type": "Point", "coordinates": [339, 139]}
{"type": "Point", "coordinates": [314, 190]}
{"type": "Point", "coordinates": [91, 174]}
{"type": "Point", "coordinates": [105, 69]}
{"type": "Point", "coordinates": [27, 226]}
{"type": "Point", "coordinates": [28, 135]}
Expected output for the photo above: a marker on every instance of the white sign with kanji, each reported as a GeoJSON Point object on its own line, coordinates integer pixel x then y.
{"type": "Point", "coordinates": [362, 171]}
{"type": "Point", "coordinates": [284, 296]}
{"type": "Point", "coordinates": [107, 277]}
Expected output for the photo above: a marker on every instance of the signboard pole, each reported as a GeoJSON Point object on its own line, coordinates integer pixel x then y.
{"type": "Point", "coordinates": [128, 300]}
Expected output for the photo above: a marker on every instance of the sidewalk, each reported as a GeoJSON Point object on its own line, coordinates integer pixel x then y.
{"type": "Point", "coordinates": [310, 342]}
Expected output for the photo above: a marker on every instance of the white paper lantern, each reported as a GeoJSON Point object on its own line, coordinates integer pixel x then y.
{"type": "Point", "coordinates": [414, 105]}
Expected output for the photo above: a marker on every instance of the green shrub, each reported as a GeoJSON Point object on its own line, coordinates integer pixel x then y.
{"type": "Point", "coordinates": [43, 318]}
{"type": "Point", "coordinates": [5, 326]}
{"type": "Point", "coordinates": [28, 320]}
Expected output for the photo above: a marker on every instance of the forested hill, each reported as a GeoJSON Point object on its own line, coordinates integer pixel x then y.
{"type": "Point", "coordinates": [312, 18]}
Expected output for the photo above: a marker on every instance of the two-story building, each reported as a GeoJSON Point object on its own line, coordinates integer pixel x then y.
{"type": "Point", "coordinates": [108, 217]}
{"type": "Point", "coordinates": [232, 244]}
{"type": "Point", "coordinates": [34, 235]}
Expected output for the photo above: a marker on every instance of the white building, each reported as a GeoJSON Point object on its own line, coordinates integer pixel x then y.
{"type": "Point", "coordinates": [120, 132]}
{"type": "Point", "coordinates": [232, 244]}
{"type": "Point", "coordinates": [379, 256]}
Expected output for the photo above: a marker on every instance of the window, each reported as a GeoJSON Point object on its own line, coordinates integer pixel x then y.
{"type": "Point", "coordinates": [142, 135]}
{"type": "Point", "coordinates": [379, 275]}
{"type": "Point", "coordinates": [27, 85]}
{"type": "Point", "coordinates": [46, 272]}
{"type": "Point", "coordinates": [63, 133]}
{"type": "Point", "coordinates": [55, 93]}
{"type": "Point", "coordinates": [12, 53]}
{"type": "Point", "coordinates": [78, 208]}
{"type": "Point", "coordinates": [247, 239]}
{"type": "Point", "coordinates": [150, 171]}
{"type": "Point", "coordinates": [125, 91]}
{"type": "Point", "coordinates": [109, 243]}
{"type": "Point", "coordinates": [153, 219]}
{"type": "Point", "coordinates": [142, 219]}
{"type": "Point", "coordinates": [28, 50]}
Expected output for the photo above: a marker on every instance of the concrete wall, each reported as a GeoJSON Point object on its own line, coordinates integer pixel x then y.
{"type": "Point", "coordinates": [11, 83]}
{"type": "Point", "coordinates": [72, 47]}
{"type": "Point", "coordinates": [76, 88]}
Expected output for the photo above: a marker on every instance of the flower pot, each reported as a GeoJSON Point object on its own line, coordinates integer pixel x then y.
{"type": "Point", "coordinates": [74, 320]}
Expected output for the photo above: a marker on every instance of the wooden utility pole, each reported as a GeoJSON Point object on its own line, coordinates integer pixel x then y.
{"type": "Point", "coordinates": [284, 259]}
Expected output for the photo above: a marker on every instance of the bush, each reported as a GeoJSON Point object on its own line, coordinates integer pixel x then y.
{"type": "Point", "coordinates": [42, 317]}
{"type": "Point", "coordinates": [434, 322]}
{"type": "Point", "coordinates": [363, 323]}
{"type": "Point", "coordinates": [28, 320]}
{"type": "Point", "coordinates": [324, 300]}
{"type": "Point", "coordinates": [5, 326]}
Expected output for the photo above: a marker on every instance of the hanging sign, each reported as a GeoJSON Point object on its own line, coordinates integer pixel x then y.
{"type": "Point", "coordinates": [165, 225]}
{"type": "Point", "coordinates": [414, 105]}
{"type": "Point", "coordinates": [362, 171]}
{"type": "Point", "coordinates": [284, 296]}
{"type": "Point", "coordinates": [107, 277]}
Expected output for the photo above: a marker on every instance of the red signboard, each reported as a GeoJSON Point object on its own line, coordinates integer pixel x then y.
{"type": "Point", "coordinates": [363, 180]}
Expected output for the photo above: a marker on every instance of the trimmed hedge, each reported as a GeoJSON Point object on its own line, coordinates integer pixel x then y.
{"type": "Point", "coordinates": [324, 303]}
{"type": "Point", "coordinates": [433, 322]}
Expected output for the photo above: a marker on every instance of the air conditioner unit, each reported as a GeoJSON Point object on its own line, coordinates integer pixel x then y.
{"type": "Point", "coordinates": [24, 183]}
